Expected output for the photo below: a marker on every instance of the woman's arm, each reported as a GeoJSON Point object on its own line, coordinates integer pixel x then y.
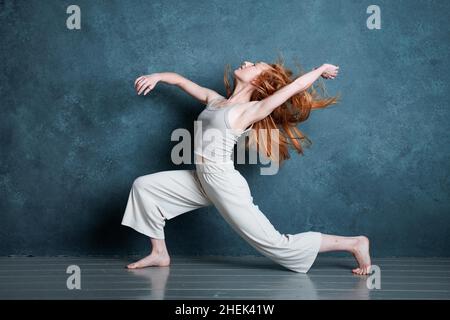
{"type": "Point", "coordinates": [145, 84]}
{"type": "Point", "coordinates": [263, 108]}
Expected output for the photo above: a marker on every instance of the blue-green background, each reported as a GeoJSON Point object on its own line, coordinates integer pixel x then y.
{"type": "Point", "coordinates": [74, 134]}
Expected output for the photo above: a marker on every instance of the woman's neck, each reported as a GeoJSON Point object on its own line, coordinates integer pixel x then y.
{"type": "Point", "coordinates": [241, 94]}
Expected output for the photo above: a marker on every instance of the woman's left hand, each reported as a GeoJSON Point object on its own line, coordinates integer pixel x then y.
{"type": "Point", "coordinates": [330, 71]}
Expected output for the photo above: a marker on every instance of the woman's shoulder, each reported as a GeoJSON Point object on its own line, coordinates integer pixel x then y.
{"type": "Point", "coordinates": [215, 97]}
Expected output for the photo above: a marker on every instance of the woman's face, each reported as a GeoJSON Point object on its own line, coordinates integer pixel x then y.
{"type": "Point", "coordinates": [249, 70]}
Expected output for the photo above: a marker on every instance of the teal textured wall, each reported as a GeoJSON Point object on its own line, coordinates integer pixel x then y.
{"type": "Point", "coordinates": [74, 134]}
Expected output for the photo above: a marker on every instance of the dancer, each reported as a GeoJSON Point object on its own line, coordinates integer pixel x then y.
{"type": "Point", "coordinates": [263, 97]}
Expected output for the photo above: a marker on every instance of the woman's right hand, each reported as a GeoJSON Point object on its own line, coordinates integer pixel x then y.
{"type": "Point", "coordinates": [329, 71]}
{"type": "Point", "coordinates": [144, 84]}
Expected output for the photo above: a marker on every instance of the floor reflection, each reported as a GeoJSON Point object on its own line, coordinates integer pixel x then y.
{"type": "Point", "coordinates": [156, 277]}
{"type": "Point", "coordinates": [228, 279]}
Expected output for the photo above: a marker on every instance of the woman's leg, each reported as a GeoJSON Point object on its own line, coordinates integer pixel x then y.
{"type": "Point", "coordinates": [358, 246]}
{"type": "Point", "coordinates": [230, 193]}
{"type": "Point", "coordinates": [155, 198]}
{"type": "Point", "coordinates": [159, 257]}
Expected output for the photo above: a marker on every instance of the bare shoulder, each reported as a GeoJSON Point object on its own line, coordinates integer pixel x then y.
{"type": "Point", "coordinates": [213, 95]}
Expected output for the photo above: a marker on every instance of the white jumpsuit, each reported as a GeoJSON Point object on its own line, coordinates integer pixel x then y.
{"type": "Point", "coordinates": [161, 196]}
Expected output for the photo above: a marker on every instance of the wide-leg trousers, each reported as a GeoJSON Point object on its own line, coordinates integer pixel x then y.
{"type": "Point", "coordinates": [161, 196]}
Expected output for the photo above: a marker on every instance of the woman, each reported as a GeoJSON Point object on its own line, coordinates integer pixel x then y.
{"type": "Point", "coordinates": [263, 97]}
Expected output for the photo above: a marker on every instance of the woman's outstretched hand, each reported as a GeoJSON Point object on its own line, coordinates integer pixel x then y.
{"type": "Point", "coordinates": [330, 71]}
{"type": "Point", "coordinates": [145, 84]}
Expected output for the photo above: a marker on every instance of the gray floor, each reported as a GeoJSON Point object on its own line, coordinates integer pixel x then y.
{"type": "Point", "coordinates": [221, 278]}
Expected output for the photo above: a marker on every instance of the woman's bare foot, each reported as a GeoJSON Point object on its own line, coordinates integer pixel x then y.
{"type": "Point", "coordinates": [153, 260]}
{"type": "Point", "coordinates": [361, 253]}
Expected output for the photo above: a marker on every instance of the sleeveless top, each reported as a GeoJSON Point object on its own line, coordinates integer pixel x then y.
{"type": "Point", "coordinates": [214, 139]}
